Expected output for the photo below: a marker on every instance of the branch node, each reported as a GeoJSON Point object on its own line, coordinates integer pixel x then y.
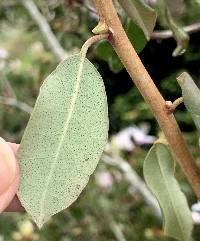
{"type": "Point", "coordinates": [162, 140]}
{"type": "Point", "coordinates": [151, 94]}
{"type": "Point", "coordinates": [110, 34]}
{"type": "Point", "coordinates": [170, 107]}
{"type": "Point", "coordinates": [101, 28]}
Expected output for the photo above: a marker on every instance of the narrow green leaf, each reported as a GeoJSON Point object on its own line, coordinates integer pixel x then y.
{"type": "Point", "coordinates": [135, 35]}
{"type": "Point", "coordinates": [181, 37]}
{"type": "Point", "coordinates": [191, 96]}
{"type": "Point", "coordinates": [115, 64]}
{"type": "Point", "coordinates": [64, 138]}
{"type": "Point", "coordinates": [141, 14]}
{"type": "Point", "coordinates": [166, 9]}
{"type": "Point", "coordinates": [105, 51]}
{"type": "Point", "coordinates": [159, 170]}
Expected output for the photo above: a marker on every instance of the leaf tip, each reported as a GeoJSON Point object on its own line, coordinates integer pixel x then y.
{"type": "Point", "coordinates": [182, 78]}
{"type": "Point", "coordinates": [39, 223]}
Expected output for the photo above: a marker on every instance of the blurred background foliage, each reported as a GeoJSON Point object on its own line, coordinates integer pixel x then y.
{"type": "Point", "coordinates": [26, 60]}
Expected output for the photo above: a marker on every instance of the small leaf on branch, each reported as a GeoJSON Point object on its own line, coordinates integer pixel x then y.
{"type": "Point", "coordinates": [141, 14]}
{"type": "Point", "coordinates": [101, 28]}
{"type": "Point", "coordinates": [159, 170]}
{"type": "Point", "coordinates": [64, 138]}
{"type": "Point", "coordinates": [191, 96]}
{"type": "Point", "coordinates": [181, 37]}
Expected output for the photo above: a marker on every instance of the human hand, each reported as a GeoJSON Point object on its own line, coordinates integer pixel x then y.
{"type": "Point", "coordinates": [9, 177]}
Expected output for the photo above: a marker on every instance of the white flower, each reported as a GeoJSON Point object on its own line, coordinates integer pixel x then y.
{"type": "Point", "coordinates": [196, 207]}
{"type": "Point", "coordinates": [104, 179]}
{"type": "Point", "coordinates": [3, 53]}
{"type": "Point", "coordinates": [196, 217]}
{"type": "Point", "coordinates": [130, 137]}
{"type": "Point", "coordinates": [122, 140]}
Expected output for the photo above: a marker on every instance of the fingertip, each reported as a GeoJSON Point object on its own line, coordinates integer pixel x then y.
{"type": "Point", "coordinates": [14, 147]}
{"type": "Point", "coordinates": [8, 166]}
{"type": "Point", "coordinates": [7, 197]}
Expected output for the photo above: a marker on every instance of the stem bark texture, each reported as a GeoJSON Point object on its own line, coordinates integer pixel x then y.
{"type": "Point", "coordinates": [150, 93]}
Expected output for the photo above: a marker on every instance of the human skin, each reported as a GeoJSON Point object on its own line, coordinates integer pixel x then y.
{"type": "Point", "coordinates": [9, 177]}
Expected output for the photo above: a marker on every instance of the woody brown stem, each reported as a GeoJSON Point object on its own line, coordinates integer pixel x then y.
{"type": "Point", "coordinates": [172, 106]}
{"type": "Point", "coordinates": [149, 91]}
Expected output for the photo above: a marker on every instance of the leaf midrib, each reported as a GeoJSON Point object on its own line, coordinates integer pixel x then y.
{"type": "Point", "coordinates": [168, 191]}
{"type": "Point", "coordinates": [69, 116]}
{"type": "Point", "coordinates": [139, 19]}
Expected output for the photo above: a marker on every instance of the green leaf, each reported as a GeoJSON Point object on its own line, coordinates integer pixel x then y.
{"type": "Point", "coordinates": [191, 96]}
{"type": "Point", "coordinates": [141, 14]}
{"type": "Point", "coordinates": [64, 138]}
{"type": "Point", "coordinates": [166, 9]}
{"type": "Point", "coordinates": [106, 52]}
{"type": "Point", "coordinates": [115, 63]}
{"type": "Point", "coordinates": [197, 2]}
{"type": "Point", "coordinates": [159, 170]}
{"type": "Point", "coordinates": [181, 37]}
{"type": "Point", "coordinates": [135, 35]}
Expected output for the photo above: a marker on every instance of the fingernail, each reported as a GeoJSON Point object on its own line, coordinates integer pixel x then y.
{"type": "Point", "coordinates": [7, 166]}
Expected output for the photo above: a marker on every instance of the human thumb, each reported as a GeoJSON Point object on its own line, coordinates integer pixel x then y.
{"type": "Point", "coordinates": [8, 166]}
